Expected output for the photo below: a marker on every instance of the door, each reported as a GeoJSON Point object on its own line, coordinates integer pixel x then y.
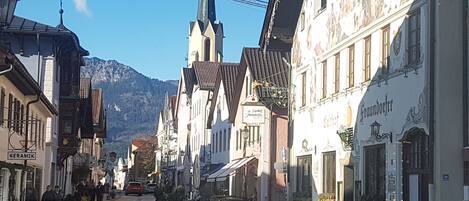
{"type": "Point", "coordinates": [375, 172]}
{"type": "Point", "coordinates": [415, 166]}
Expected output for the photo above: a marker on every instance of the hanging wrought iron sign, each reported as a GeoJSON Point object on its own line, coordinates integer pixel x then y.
{"type": "Point", "coordinates": [23, 135]}
{"type": "Point", "coordinates": [346, 136]}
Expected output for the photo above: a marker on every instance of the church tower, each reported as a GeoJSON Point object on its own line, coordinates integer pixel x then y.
{"type": "Point", "coordinates": [205, 35]}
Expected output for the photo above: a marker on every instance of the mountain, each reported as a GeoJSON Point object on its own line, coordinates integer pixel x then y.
{"type": "Point", "coordinates": [132, 100]}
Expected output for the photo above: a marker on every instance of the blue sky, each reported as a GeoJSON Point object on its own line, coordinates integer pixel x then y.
{"type": "Point", "coordinates": [149, 35]}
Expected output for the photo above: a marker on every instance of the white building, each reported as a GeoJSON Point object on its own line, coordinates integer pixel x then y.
{"type": "Point", "coordinates": [364, 100]}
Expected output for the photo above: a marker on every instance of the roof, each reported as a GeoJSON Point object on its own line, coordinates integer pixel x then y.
{"type": "Point", "coordinates": [139, 142]}
{"type": "Point", "coordinates": [265, 66]}
{"type": "Point", "coordinates": [85, 87]}
{"type": "Point", "coordinates": [189, 79]}
{"type": "Point", "coordinates": [227, 74]}
{"type": "Point", "coordinates": [23, 25]}
{"type": "Point", "coordinates": [281, 19]}
{"type": "Point", "coordinates": [205, 73]}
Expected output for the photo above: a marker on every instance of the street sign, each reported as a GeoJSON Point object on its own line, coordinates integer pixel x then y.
{"type": "Point", "coordinates": [13, 155]}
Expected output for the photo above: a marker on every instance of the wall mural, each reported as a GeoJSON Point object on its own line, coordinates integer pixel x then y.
{"type": "Point", "coordinates": [342, 18]}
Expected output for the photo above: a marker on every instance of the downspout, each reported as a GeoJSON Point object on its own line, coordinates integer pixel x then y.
{"type": "Point", "coordinates": [26, 135]}
{"type": "Point", "coordinates": [26, 138]}
{"type": "Point", "coordinates": [431, 122]}
{"type": "Point", "coordinates": [465, 95]}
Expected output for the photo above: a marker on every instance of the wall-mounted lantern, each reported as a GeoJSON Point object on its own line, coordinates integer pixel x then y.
{"type": "Point", "coordinates": [375, 132]}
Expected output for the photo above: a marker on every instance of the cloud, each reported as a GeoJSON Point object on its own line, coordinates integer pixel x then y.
{"type": "Point", "coordinates": [82, 6]}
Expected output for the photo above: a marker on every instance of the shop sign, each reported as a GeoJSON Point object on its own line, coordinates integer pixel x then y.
{"type": "Point", "coordinates": [380, 107]}
{"type": "Point", "coordinates": [13, 155]}
{"type": "Point", "coordinates": [253, 115]}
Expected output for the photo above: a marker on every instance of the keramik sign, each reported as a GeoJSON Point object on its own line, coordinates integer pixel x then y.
{"type": "Point", "coordinates": [21, 155]}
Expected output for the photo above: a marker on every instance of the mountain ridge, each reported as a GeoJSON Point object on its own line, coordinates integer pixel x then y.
{"type": "Point", "coordinates": [124, 88]}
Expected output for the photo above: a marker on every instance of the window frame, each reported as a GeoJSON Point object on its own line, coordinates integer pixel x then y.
{"type": "Point", "coordinates": [367, 59]}
{"type": "Point", "coordinates": [303, 89]}
{"type": "Point", "coordinates": [411, 30]}
{"type": "Point", "coordinates": [351, 66]}
{"type": "Point", "coordinates": [337, 73]}
{"type": "Point", "coordinates": [324, 79]}
{"type": "Point", "coordinates": [385, 49]}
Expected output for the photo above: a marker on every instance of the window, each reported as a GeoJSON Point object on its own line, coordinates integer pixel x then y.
{"type": "Point", "coordinates": [2, 106]}
{"type": "Point", "coordinates": [414, 38]}
{"type": "Point", "coordinates": [10, 110]}
{"type": "Point", "coordinates": [385, 40]}
{"type": "Point", "coordinates": [375, 166]}
{"type": "Point", "coordinates": [320, 5]}
{"type": "Point", "coordinates": [302, 20]}
{"type": "Point", "coordinates": [220, 138]}
{"type": "Point", "coordinates": [224, 140]}
{"type": "Point", "coordinates": [337, 73]}
{"type": "Point", "coordinates": [304, 176]}
{"type": "Point", "coordinates": [213, 142]}
{"type": "Point", "coordinates": [367, 68]}
{"type": "Point", "coordinates": [351, 66]}
{"type": "Point", "coordinates": [324, 79]}
{"type": "Point", "coordinates": [248, 86]}
{"type": "Point", "coordinates": [207, 50]}
{"type": "Point", "coordinates": [229, 138]}
{"type": "Point", "coordinates": [237, 140]}
{"type": "Point", "coordinates": [328, 172]}
{"type": "Point", "coordinates": [303, 89]}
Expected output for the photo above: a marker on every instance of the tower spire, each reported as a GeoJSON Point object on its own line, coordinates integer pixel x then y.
{"type": "Point", "coordinates": [206, 11]}
{"type": "Point", "coordinates": [61, 11]}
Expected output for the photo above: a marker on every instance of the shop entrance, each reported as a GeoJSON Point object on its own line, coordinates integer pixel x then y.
{"type": "Point", "coordinates": [415, 165]}
{"type": "Point", "coordinates": [375, 172]}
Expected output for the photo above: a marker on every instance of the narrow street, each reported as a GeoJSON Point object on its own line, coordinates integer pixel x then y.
{"type": "Point", "coordinates": [148, 197]}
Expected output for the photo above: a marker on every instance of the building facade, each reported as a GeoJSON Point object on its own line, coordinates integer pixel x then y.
{"type": "Point", "coordinates": [365, 104]}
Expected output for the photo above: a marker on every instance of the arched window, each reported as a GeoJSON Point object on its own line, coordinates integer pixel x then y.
{"type": "Point", "coordinates": [207, 50]}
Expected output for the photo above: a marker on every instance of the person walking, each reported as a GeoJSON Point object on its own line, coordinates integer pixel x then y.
{"type": "Point", "coordinates": [99, 192]}
{"type": "Point", "coordinates": [31, 195]}
{"type": "Point", "coordinates": [49, 195]}
{"type": "Point", "coordinates": [58, 193]}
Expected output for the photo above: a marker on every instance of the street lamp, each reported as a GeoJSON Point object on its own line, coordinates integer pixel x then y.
{"type": "Point", "coordinates": [7, 9]}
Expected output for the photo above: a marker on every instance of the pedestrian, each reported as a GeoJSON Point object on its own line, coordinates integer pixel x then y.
{"type": "Point", "coordinates": [31, 195]}
{"type": "Point", "coordinates": [91, 191]}
{"type": "Point", "coordinates": [58, 193]}
{"type": "Point", "coordinates": [49, 195]}
{"type": "Point", "coordinates": [99, 192]}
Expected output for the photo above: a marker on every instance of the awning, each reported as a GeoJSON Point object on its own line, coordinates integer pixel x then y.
{"type": "Point", "coordinates": [228, 169]}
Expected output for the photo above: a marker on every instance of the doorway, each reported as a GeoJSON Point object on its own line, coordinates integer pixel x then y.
{"type": "Point", "coordinates": [415, 155]}
{"type": "Point", "coordinates": [375, 172]}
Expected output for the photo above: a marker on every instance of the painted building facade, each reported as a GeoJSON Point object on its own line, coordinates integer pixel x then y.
{"type": "Point", "coordinates": [360, 107]}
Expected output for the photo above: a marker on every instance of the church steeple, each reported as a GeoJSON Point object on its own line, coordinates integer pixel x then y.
{"type": "Point", "coordinates": [206, 11]}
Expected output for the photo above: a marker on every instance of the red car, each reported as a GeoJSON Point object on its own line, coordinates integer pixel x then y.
{"type": "Point", "coordinates": [135, 188]}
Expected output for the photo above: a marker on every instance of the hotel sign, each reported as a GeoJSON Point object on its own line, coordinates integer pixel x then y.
{"type": "Point", "coordinates": [253, 115]}
{"type": "Point", "coordinates": [13, 155]}
{"type": "Point", "coordinates": [380, 107]}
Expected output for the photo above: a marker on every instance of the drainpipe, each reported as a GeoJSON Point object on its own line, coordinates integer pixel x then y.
{"type": "Point", "coordinates": [431, 122]}
{"type": "Point", "coordinates": [26, 137]}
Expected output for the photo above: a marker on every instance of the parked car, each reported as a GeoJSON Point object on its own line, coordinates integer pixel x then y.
{"type": "Point", "coordinates": [135, 188]}
{"type": "Point", "coordinates": [150, 188]}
